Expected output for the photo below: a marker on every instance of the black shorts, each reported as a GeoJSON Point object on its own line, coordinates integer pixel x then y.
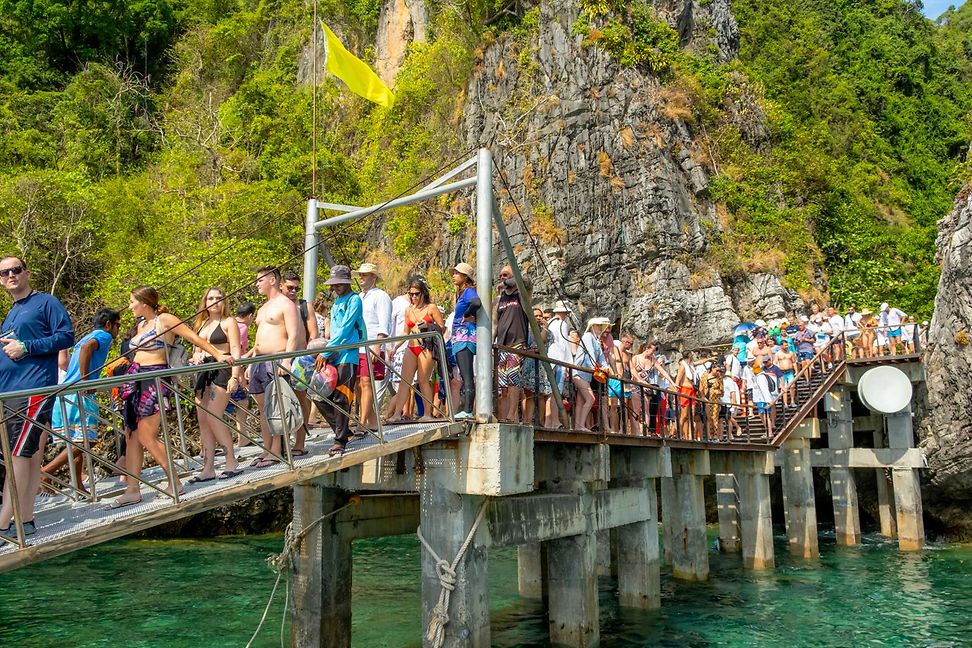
{"type": "Point", "coordinates": [28, 418]}
{"type": "Point", "coordinates": [219, 377]}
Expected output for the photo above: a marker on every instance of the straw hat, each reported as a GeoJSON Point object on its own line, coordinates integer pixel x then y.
{"type": "Point", "coordinates": [466, 269]}
{"type": "Point", "coordinates": [598, 321]}
{"type": "Point", "coordinates": [367, 268]}
{"type": "Point", "coordinates": [561, 307]}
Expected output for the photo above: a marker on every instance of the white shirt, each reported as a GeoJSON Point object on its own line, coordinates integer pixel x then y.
{"type": "Point", "coordinates": [749, 378]}
{"type": "Point", "coordinates": [730, 391]}
{"type": "Point", "coordinates": [733, 366]}
{"type": "Point", "coordinates": [397, 324]}
{"type": "Point", "coordinates": [836, 324]}
{"type": "Point", "coordinates": [449, 321]}
{"type": "Point", "coordinates": [892, 317]}
{"type": "Point", "coordinates": [376, 308]}
{"type": "Point", "coordinates": [558, 342]}
{"type": "Point", "coordinates": [850, 321]}
{"type": "Point", "coordinates": [761, 390]}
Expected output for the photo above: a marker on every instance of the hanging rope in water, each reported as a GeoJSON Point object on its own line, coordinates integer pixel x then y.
{"type": "Point", "coordinates": [447, 580]}
{"type": "Point", "coordinates": [282, 561]}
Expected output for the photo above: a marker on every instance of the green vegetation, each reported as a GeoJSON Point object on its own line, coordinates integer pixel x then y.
{"type": "Point", "coordinates": [140, 137]}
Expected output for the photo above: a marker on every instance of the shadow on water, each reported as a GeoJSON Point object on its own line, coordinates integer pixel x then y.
{"type": "Point", "coordinates": [191, 593]}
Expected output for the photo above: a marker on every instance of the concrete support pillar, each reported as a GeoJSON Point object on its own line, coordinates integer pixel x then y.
{"type": "Point", "coordinates": [446, 521]}
{"type": "Point", "coordinates": [529, 570]}
{"type": "Point", "coordinates": [669, 506]}
{"type": "Point", "coordinates": [638, 564]}
{"type": "Point", "coordinates": [756, 520]}
{"type": "Point", "coordinates": [572, 591]}
{"type": "Point", "coordinates": [885, 494]}
{"type": "Point", "coordinates": [727, 501]}
{"type": "Point", "coordinates": [843, 488]}
{"type": "Point", "coordinates": [907, 488]}
{"type": "Point", "coordinates": [799, 505]}
{"type": "Point", "coordinates": [320, 582]}
{"type": "Point", "coordinates": [603, 562]}
{"type": "Point", "coordinates": [690, 556]}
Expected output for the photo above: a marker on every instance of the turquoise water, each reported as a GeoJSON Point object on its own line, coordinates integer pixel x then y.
{"type": "Point", "coordinates": [184, 594]}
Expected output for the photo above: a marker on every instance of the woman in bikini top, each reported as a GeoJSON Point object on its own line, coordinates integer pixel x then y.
{"type": "Point", "coordinates": [213, 388]}
{"type": "Point", "coordinates": [419, 364]}
{"type": "Point", "coordinates": [152, 336]}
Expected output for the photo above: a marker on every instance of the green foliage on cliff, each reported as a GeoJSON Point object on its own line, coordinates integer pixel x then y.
{"type": "Point", "coordinates": [141, 137]}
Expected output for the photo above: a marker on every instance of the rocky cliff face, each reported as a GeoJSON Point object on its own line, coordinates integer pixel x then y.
{"type": "Point", "coordinates": [946, 428]}
{"type": "Point", "coordinates": [602, 164]}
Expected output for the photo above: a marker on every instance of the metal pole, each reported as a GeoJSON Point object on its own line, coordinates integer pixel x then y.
{"type": "Point", "coordinates": [75, 478]}
{"type": "Point", "coordinates": [167, 439]}
{"type": "Point", "coordinates": [484, 286]}
{"type": "Point", "coordinates": [310, 249]}
{"type": "Point", "coordinates": [87, 446]}
{"type": "Point", "coordinates": [8, 460]}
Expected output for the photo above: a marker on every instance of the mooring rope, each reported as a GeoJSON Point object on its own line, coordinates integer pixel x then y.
{"type": "Point", "coordinates": [447, 580]}
{"type": "Point", "coordinates": [281, 562]}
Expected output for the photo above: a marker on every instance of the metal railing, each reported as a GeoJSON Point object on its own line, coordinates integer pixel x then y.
{"type": "Point", "coordinates": [640, 409]}
{"type": "Point", "coordinates": [175, 420]}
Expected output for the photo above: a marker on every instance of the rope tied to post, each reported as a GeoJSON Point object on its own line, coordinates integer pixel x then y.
{"type": "Point", "coordinates": [282, 561]}
{"type": "Point", "coordinates": [446, 573]}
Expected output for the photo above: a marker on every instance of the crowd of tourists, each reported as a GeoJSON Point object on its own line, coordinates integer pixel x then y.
{"type": "Point", "coordinates": [549, 370]}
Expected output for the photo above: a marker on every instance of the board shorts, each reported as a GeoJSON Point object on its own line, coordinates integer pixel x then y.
{"type": "Point", "coordinates": [788, 376]}
{"type": "Point", "coordinates": [803, 356]}
{"type": "Point", "coordinates": [72, 427]}
{"type": "Point", "coordinates": [686, 396]}
{"type": "Point", "coordinates": [261, 374]}
{"type": "Point", "coordinates": [894, 332]}
{"type": "Point", "coordinates": [238, 395]}
{"type": "Point", "coordinates": [27, 418]}
{"type": "Point", "coordinates": [763, 408]}
{"type": "Point", "coordinates": [508, 368]}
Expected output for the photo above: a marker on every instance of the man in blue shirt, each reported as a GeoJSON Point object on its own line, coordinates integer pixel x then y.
{"type": "Point", "coordinates": [36, 328]}
{"type": "Point", "coordinates": [347, 327]}
{"type": "Point", "coordinates": [87, 359]}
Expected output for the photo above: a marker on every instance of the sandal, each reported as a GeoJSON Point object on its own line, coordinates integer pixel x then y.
{"type": "Point", "coordinates": [229, 474]}
{"type": "Point", "coordinates": [125, 500]}
{"type": "Point", "coordinates": [198, 480]}
{"type": "Point", "coordinates": [265, 463]}
{"type": "Point", "coordinates": [294, 452]}
{"type": "Point", "coordinates": [336, 450]}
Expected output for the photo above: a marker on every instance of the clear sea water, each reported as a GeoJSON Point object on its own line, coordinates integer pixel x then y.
{"type": "Point", "coordinates": [189, 593]}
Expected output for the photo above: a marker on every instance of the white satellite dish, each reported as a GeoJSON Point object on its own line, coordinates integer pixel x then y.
{"type": "Point", "coordinates": [885, 389]}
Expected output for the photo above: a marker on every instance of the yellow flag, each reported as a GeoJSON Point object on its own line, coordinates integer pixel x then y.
{"type": "Point", "coordinates": [355, 73]}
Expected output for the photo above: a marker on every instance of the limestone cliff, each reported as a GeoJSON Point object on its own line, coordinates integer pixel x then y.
{"type": "Point", "coordinates": [603, 164]}
{"type": "Point", "coordinates": [946, 429]}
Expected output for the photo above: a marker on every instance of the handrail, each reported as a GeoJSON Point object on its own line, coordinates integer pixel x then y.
{"type": "Point", "coordinates": [115, 381]}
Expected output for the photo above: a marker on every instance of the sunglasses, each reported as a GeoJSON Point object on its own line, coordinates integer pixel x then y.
{"type": "Point", "coordinates": [414, 294]}
{"type": "Point", "coordinates": [6, 272]}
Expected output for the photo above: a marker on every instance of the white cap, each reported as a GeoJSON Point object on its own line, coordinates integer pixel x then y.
{"type": "Point", "coordinates": [561, 307]}
{"type": "Point", "coordinates": [884, 306]}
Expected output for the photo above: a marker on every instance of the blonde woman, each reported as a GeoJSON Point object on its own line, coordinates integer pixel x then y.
{"type": "Point", "coordinates": [213, 388]}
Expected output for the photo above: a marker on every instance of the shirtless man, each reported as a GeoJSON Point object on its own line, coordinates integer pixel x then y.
{"type": "Point", "coordinates": [306, 331]}
{"type": "Point", "coordinates": [278, 330]}
{"type": "Point", "coordinates": [786, 359]}
{"type": "Point", "coordinates": [761, 352]}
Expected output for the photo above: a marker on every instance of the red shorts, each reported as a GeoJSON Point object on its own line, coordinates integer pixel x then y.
{"type": "Point", "coordinates": [687, 396]}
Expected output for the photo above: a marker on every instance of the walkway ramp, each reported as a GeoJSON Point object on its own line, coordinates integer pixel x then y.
{"type": "Point", "coordinates": [66, 527]}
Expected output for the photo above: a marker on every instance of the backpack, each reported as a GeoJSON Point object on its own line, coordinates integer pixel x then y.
{"type": "Point", "coordinates": [176, 355]}
{"type": "Point", "coordinates": [281, 408]}
{"type": "Point", "coordinates": [770, 383]}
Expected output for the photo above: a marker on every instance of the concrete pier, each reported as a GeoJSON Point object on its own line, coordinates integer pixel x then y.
{"type": "Point", "coordinates": [529, 570]}
{"type": "Point", "coordinates": [840, 437]}
{"type": "Point", "coordinates": [684, 514]}
{"type": "Point", "coordinates": [572, 591]}
{"type": "Point", "coordinates": [885, 493]}
{"type": "Point", "coordinates": [755, 513]}
{"type": "Point", "coordinates": [727, 500]}
{"type": "Point", "coordinates": [799, 504]}
{"type": "Point", "coordinates": [906, 484]}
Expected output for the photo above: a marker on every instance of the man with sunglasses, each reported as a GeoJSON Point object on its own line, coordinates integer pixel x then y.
{"type": "Point", "coordinates": [36, 328]}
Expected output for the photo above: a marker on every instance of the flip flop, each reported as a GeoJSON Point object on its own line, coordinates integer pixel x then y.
{"type": "Point", "coordinates": [118, 503]}
{"type": "Point", "coordinates": [336, 450]}
{"type": "Point", "coordinates": [298, 453]}
{"type": "Point", "coordinates": [265, 463]}
{"type": "Point", "coordinates": [229, 474]}
{"type": "Point", "coordinates": [198, 480]}
{"type": "Point", "coordinates": [360, 433]}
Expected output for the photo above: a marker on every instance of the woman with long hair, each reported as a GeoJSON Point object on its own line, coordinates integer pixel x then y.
{"type": "Point", "coordinates": [590, 355]}
{"type": "Point", "coordinates": [215, 324]}
{"type": "Point", "coordinates": [420, 316]}
{"type": "Point", "coordinates": [143, 404]}
{"type": "Point", "coordinates": [463, 336]}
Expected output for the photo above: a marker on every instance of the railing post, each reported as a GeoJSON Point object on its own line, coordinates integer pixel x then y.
{"type": "Point", "coordinates": [167, 439]}
{"type": "Point", "coordinates": [87, 447]}
{"type": "Point", "coordinates": [484, 286]}
{"type": "Point", "coordinates": [72, 471]}
{"type": "Point", "coordinates": [8, 462]}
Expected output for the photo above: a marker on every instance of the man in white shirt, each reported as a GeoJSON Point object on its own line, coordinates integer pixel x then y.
{"type": "Point", "coordinates": [892, 319]}
{"type": "Point", "coordinates": [376, 308]}
{"type": "Point", "coordinates": [836, 327]}
{"type": "Point", "coordinates": [396, 352]}
{"type": "Point", "coordinates": [730, 402]}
